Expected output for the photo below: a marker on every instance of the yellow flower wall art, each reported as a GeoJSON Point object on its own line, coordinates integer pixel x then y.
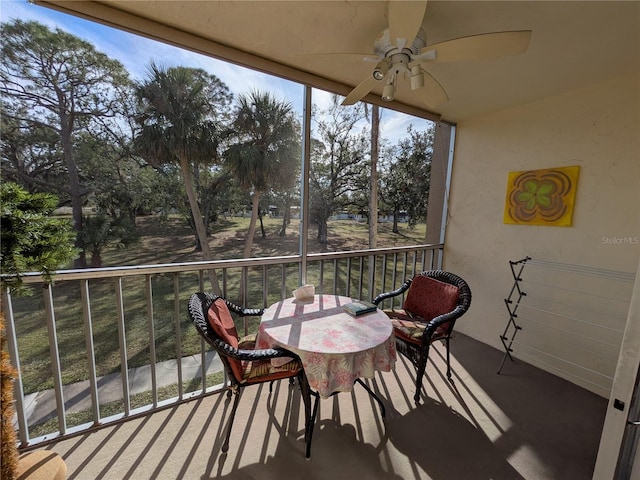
{"type": "Point", "coordinates": [541, 197]}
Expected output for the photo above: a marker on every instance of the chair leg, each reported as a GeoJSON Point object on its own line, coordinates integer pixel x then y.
{"type": "Point", "coordinates": [291, 382]}
{"type": "Point", "coordinates": [422, 366]}
{"type": "Point", "coordinates": [419, 375]}
{"type": "Point", "coordinates": [225, 445]}
{"type": "Point", "coordinates": [448, 359]}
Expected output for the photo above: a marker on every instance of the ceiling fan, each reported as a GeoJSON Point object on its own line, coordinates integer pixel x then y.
{"type": "Point", "coordinates": [401, 52]}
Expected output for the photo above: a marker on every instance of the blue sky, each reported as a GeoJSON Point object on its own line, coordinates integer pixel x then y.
{"type": "Point", "coordinates": [136, 53]}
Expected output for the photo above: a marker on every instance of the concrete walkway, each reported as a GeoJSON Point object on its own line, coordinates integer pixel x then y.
{"type": "Point", "coordinates": [41, 406]}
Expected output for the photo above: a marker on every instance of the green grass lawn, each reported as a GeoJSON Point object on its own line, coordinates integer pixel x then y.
{"type": "Point", "coordinates": [172, 241]}
{"type": "Point", "coordinates": [169, 241]}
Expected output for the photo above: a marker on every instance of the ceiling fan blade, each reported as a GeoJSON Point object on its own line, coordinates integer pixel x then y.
{"type": "Point", "coordinates": [345, 57]}
{"type": "Point", "coordinates": [361, 90]}
{"type": "Point", "coordinates": [486, 46]}
{"type": "Point", "coordinates": [405, 20]}
{"type": "Point", "coordinates": [433, 90]}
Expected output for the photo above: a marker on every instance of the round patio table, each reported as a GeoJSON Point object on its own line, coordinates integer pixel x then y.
{"type": "Point", "coordinates": [336, 349]}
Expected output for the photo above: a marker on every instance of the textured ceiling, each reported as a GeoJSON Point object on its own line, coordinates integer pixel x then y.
{"type": "Point", "coordinates": [574, 44]}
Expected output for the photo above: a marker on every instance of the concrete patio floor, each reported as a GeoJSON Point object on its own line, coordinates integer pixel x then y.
{"type": "Point", "coordinates": [521, 424]}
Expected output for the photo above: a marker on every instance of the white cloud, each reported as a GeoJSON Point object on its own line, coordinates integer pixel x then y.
{"type": "Point", "coordinates": [394, 124]}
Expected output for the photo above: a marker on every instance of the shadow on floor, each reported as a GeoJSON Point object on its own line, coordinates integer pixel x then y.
{"type": "Point", "coordinates": [447, 446]}
{"type": "Point", "coordinates": [550, 417]}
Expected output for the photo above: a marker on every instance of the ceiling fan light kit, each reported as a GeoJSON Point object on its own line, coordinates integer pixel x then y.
{"type": "Point", "coordinates": [417, 78]}
{"type": "Point", "coordinates": [381, 70]}
{"type": "Point", "coordinates": [408, 54]}
{"type": "Point", "coordinates": [388, 92]}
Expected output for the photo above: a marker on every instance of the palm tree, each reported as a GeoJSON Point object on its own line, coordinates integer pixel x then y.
{"type": "Point", "coordinates": [266, 152]}
{"type": "Point", "coordinates": [181, 110]}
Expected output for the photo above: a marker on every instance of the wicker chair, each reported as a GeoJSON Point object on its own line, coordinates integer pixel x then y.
{"type": "Point", "coordinates": [434, 301]}
{"type": "Point", "coordinates": [243, 364]}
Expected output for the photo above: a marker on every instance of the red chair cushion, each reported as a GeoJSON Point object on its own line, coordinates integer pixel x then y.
{"type": "Point", "coordinates": [428, 298]}
{"type": "Point", "coordinates": [221, 322]}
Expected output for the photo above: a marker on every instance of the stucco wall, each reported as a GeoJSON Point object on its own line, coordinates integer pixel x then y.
{"type": "Point", "coordinates": [597, 128]}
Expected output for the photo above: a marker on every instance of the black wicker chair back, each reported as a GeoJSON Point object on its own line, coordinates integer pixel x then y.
{"type": "Point", "coordinates": [415, 340]}
{"type": "Point", "coordinates": [244, 365]}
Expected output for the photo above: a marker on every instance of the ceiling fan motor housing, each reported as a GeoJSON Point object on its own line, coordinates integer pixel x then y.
{"type": "Point", "coordinates": [383, 47]}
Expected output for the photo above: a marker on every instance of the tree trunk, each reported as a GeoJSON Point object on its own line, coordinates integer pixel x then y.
{"type": "Point", "coordinates": [395, 220]}
{"type": "Point", "coordinates": [322, 231]}
{"type": "Point", "coordinates": [197, 220]}
{"type": "Point", "coordinates": [286, 218]}
{"type": "Point", "coordinates": [74, 188]}
{"type": "Point", "coordinates": [132, 217]}
{"type": "Point", "coordinates": [248, 243]}
{"type": "Point", "coordinates": [264, 235]}
{"type": "Point", "coordinates": [96, 258]}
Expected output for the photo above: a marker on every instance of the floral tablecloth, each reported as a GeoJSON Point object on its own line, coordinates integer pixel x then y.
{"type": "Point", "coordinates": [335, 347]}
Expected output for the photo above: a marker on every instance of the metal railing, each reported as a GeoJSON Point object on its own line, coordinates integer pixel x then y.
{"type": "Point", "coordinates": [102, 323]}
